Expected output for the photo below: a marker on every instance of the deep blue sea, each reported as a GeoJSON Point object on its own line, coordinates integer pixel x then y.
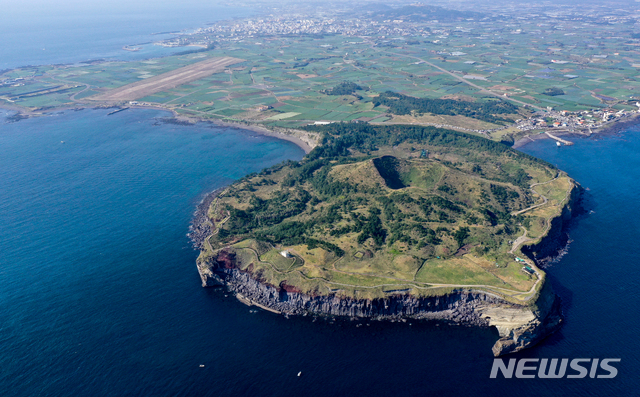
{"type": "Point", "coordinates": [99, 293]}
{"type": "Point", "coordinates": [38, 32]}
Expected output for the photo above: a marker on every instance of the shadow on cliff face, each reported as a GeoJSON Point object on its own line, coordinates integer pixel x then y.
{"type": "Point", "coordinates": [558, 241]}
{"type": "Point", "coordinates": [384, 334]}
{"type": "Point", "coordinates": [554, 251]}
{"type": "Point", "coordinates": [583, 209]}
{"type": "Point", "coordinates": [566, 301]}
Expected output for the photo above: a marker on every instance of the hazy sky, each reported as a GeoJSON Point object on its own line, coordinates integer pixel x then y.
{"type": "Point", "coordinates": [136, 4]}
{"type": "Point", "coordinates": [18, 8]}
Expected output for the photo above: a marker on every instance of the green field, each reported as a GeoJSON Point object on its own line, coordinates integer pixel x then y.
{"type": "Point", "coordinates": [291, 73]}
{"type": "Point", "coordinates": [364, 217]}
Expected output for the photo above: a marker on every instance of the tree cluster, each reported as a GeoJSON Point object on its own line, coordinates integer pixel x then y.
{"type": "Point", "coordinates": [486, 110]}
{"type": "Point", "coordinates": [344, 88]}
{"type": "Point", "coordinates": [553, 91]}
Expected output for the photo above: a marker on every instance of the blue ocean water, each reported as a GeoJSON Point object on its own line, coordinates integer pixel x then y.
{"type": "Point", "coordinates": [98, 283]}
{"type": "Point", "coordinates": [99, 294]}
{"type": "Point", "coordinates": [39, 32]}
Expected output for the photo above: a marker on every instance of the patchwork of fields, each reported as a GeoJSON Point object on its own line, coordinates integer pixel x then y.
{"type": "Point", "coordinates": [167, 81]}
{"type": "Point", "coordinates": [280, 81]}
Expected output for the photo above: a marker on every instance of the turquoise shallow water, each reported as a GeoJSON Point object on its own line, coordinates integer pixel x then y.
{"type": "Point", "coordinates": [99, 294]}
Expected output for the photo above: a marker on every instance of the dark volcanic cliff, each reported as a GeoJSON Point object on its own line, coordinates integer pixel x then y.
{"type": "Point", "coordinates": [556, 239]}
{"type": "Point", "coordinates": [519, 326]}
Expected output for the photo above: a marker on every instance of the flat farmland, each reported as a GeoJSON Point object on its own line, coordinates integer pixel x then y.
{"type": "Point", "coordinates": [167, 81]}
{"type": "Point", "coordinates": [293, 74]}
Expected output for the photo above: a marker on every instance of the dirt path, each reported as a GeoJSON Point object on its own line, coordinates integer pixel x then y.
{"type": "Point", "coordinates": [215, 209]}
{"type": "Point", "coordinates": [520, 240]}
{"type": "Point", "coordinates": [545, 200]}
{"type": "Point", "coordinates": [523, 239]}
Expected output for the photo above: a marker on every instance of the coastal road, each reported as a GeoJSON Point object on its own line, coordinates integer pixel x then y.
{"type": "Point", "coordinates": [520, 240]}
{"type": "Point", "coordinates": [523, 239]}
{"type": "Point", "coordinates": [521, 295]}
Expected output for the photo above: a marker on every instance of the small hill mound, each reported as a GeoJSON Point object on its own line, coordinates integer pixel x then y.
{"type": "Point", "coordinates": [375, 209]}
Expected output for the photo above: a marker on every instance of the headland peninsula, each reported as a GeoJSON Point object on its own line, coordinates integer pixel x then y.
{"type": "Point", "coordinates": [395, 222]}
{"type": "Point", "coordinates": [411, 201]}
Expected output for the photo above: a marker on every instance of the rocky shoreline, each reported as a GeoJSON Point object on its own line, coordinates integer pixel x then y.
{"type": "Point", "coordinates": [201, 227]}
{"type": "Point", "coordinates": [611, 128]}
{"type": "Point", "coordinates": [303, 139]}
{"type": "Point", "coordinates": [557, 239]}
{"type": "Point", "coordinates": [617, 126]}
{"type": "Point", "coordinates": [519, 326]}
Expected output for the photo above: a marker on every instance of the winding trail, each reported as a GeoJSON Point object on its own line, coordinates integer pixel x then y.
{"type": "Point", "coordinates": [516, 294]}
{"type": "Point", "coordinates": [545, 200]}
{"type": "Point", "coordinates": [207, 242]}
{"type": "Point", "coordinates": [523, 239]}
{"type": "Point", "coordinates": [520, 240]}
{"type": "Point", "coordinates": [512, 293]}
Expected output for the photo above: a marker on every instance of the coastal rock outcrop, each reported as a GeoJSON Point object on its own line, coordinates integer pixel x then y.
{"type": "Point", "coordinates": [519, 326]}
{"type": "Point", "coordinates": [556, 238]}
{"type": "Point", "coordinates": [520, 323]}
{"type": "Point", "coordinates": [520, 329]}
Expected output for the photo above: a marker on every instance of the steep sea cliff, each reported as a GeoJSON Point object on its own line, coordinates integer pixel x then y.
{"type": "Point", "coordinates": [519, 325]}
{"type": "Point", "coordinates": [556, 238]}
{"type": "Point", "coordinates": [99, 295]}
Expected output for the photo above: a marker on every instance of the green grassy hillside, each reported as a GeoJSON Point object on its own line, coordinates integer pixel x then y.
{"type": "Point", "coordinates": [382, 209]}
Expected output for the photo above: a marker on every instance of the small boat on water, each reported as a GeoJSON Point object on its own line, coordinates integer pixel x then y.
{"type": "Point", "coordinates": [558, 143]}
{"type": "Point", "coordinates": [300, 373]}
